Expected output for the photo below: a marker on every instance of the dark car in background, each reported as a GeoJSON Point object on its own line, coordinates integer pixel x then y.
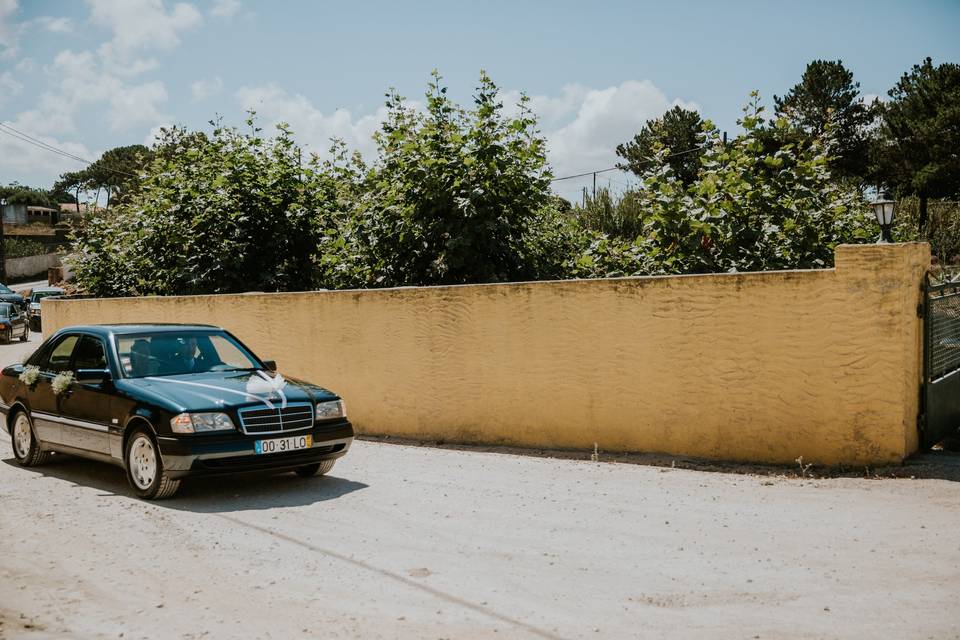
{"type": "Point", "coordinates": [9, 295]}
{"type": "Point", "coordinates": [166, 402]}
{"type": "Point", "coordinates": [36, 295]}
{"type": "Point", "coordinates": [13, 323]}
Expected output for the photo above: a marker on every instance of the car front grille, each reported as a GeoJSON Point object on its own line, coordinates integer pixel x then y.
{"type": "Point", "coordinates": [261, 419]}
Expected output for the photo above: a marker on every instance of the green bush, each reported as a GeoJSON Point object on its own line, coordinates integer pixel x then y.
{"type": "Point", "coordinates": [454, 195]}
{"type": "Point", "coordinates": [449, 198]}
{"type": "Point", "coordinates": [19, 248]}
{"type": "Point", "coordinates": [760, 202]}
{"type": "Point", "coordinates": [220, 213]}
{"type": "Point", "coordinates": [942, 230]}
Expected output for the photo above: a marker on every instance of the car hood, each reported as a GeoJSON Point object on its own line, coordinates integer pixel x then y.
{"type": "Point", "coordinates": [221, 390]}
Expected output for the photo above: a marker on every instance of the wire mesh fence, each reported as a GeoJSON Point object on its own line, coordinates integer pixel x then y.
{"type": "Point", "coordinates": [943, 314]}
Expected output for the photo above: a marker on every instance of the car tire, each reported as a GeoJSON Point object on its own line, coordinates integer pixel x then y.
{"type": "Point", "coordinates": [8, 336]}
{"type": "Point", "coordinates": [26, 447]}
{"type": "Point", "coordinates": [315, 469]}
{"type": "Point", "coordinates": [26, 333]}
{"type": "Point", "coordinates": [144, 466]}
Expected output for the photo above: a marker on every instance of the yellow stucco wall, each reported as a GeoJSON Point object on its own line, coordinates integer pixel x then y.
{"type": "Point", "coordinates": [759, 366]}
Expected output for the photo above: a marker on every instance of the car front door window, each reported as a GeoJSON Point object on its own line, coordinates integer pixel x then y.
{"type": "Point", "coordinates": [59, 359]}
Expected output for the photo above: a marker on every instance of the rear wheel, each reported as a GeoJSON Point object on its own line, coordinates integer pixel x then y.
{"type": "Point", "coordinates": [145, 470]}
{"type": "Point", "coordinates": [26, 448]}
{"type": "Point", "coordinates": [315, 469]}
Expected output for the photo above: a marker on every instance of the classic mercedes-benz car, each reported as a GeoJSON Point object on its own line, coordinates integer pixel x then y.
{"type": "Point", "coordinates": [165, 402]}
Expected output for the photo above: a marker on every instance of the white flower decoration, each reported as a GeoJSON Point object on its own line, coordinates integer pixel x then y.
{"type": "Point", "coordinates": [29, 374]}
{"type": "Point", "coordinates": [62, 382]}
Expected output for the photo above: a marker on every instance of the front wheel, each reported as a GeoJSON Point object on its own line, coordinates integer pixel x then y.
{"type": "Point", "coordinates": [26, 333]}
{"type": "Point", "coordinates": [315, 469]}
{"type": "Point", "coordinates": [26, 447]}
{"type": "Point", "coordinates": [145, 470]}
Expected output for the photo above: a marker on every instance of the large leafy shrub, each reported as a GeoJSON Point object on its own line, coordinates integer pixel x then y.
{"type": "Point", "coordinates": [760, 202]}
{"type": "Point", "coordinates": [218, 213]}
{"type": "Point", "coordinates": [451, 194]}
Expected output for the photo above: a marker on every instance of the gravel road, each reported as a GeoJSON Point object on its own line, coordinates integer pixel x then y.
{"type": "Point", "coordinates": [415, 542]}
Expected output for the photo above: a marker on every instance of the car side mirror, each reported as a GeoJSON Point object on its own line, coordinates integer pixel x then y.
{"type": "Point", "coordinates": [270, 365]}
{"type": "Point", "coordinates": [92, 376]}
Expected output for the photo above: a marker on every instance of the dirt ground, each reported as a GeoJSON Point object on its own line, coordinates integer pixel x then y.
{"type": "Point", "coordinates": [417, 542]}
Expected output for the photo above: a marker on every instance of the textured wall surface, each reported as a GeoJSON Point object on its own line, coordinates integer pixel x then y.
{"type": "Point", "coordinates": [757, 366]}
{"type": "Point", "coordinates": [31, 265]}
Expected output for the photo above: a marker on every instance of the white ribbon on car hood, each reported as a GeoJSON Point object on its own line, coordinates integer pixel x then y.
{"type": "Point", "coordinates": [259, 387]}
{"type": "Point", "coordinates": [264, 385]}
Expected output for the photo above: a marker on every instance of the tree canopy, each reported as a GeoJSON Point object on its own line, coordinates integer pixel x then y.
{"type": "Point", "coordinates": [679, 131]}
{"type": "Point", "coordinates": [827, 103]}
{"type": "Point", "coordinates": [116, 172]}
{"type": "Point", "coordinates": [916, 151]}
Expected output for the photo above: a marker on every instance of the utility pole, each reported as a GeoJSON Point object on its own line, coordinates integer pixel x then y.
{"type": "Point", "coordinates": [594, 185]}
{"type": "Point", "coordinates": [3, 261]}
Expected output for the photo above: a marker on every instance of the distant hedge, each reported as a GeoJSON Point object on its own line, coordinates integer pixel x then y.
{"type": "Point", "coordinates": [17, 248]}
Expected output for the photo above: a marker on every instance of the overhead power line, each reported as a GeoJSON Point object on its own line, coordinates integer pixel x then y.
{"type": "Point", "coordinates": [23, 137]}
{"type": "Point", "coordinates": [593, 173]}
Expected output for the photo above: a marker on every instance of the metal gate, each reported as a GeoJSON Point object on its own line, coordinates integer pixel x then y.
{"type": "Point", "coordinates": [941, 362]}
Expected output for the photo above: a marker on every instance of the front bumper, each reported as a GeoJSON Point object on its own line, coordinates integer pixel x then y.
{"type": "Point", "coordinates": [234, 452]}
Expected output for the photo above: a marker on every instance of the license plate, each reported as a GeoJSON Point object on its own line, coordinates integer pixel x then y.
{"type": "Point", "coordinates": [279, 445]}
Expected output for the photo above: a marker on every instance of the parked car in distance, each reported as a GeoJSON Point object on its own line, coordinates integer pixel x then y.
{"type": "Point", "coordinates": [36, 296]}
{"type": "Point", "coordinates": [13, 323]}
{"type": "Point", "coordinates": [166, 402]}
{"type": "Point", "coordinates": [9, 295]}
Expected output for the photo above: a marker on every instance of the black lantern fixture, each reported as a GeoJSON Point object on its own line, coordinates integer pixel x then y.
{"type": "Point", "coordinates": [884, 208]}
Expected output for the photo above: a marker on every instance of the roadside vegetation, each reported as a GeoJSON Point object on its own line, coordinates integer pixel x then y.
{"type": "Point", "coordinates": [22, 248]}
{"type": "Point", "coordinates": [462, 194]}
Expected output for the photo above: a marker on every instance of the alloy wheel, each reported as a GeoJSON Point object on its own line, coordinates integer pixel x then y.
{"type": "Point", "coordinates": [22, 436]}
{"type": "Point", "coordinates": [142, 461]}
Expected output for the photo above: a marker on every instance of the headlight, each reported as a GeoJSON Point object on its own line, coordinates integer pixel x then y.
{"type": "Point", "coordinates": [331, 409]}
{"type": "Point", "coordinates": [200, 422]}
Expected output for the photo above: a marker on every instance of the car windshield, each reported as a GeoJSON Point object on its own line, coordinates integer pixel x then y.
{"type": "Point", "coordinates": [36, 295]}
{"type": "Point", "coordinates": [170, 353]}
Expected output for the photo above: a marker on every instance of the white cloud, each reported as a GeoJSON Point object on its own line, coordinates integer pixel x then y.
{"type": "Point", "coordinates": [55, 25]}
{"type": "Point", "coordinates": [603, 119]}
{"type": "Point", "coordinates": [9, 86]}
{"type": "Point", "coordinates": [101, 78]}
{"type": "Point", "coordinates": [309, 124]}
{"type": "Point", "coordinates": [206, 88]}
{"type": "Point", "coordinates": [137, 105]}
{"type": "Point", "coordinates": [224, 8]}
{"type": "Point", "coordinates": [9, 29]}
{"type": "Point", "coordinates": [141, 25]}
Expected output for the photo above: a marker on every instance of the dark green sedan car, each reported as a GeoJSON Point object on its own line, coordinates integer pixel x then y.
{"type": "Point", "coordinates": [165, 402]}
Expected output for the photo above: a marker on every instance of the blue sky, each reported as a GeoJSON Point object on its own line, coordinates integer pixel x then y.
{"type": "Point", "coordinates": [87, 76]}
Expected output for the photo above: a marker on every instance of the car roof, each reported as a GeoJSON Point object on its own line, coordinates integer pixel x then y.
{"type": "Point", "coordinates": [125, 329]}
{"type": "Point", "coordinates": [45, 289]}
